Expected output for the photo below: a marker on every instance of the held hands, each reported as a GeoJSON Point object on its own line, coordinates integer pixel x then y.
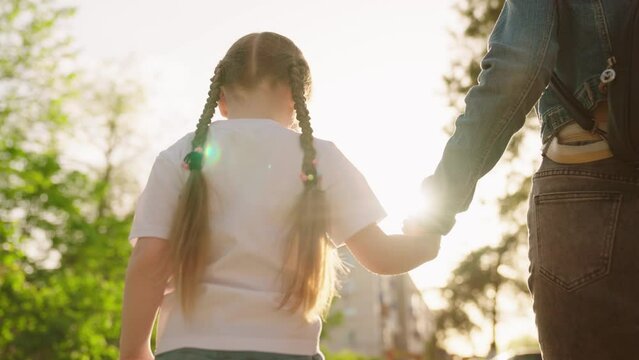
{"type": "Point", "coordinates": [414, 227]}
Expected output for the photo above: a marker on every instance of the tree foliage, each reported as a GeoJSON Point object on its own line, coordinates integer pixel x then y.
{"type": "Point", "coordinates": [63, 252]}
{"type": "Point", "coordinates": [477, 19]}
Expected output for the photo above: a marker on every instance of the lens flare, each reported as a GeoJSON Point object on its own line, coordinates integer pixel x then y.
{"type": "Point", "coordinates": [212, 153]}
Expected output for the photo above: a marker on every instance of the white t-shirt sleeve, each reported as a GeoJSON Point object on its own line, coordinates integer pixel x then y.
{"type": "Point", "coordinates": [158, 201]}
{"type": "Point", "coordinates": [353, 205]}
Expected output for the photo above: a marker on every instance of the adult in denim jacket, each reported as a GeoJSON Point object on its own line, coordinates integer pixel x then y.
{"type": "Point", "coordinates": [583, 250]}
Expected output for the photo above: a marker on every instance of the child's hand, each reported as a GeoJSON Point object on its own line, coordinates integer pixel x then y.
{"type": "Point", "coordinates": [413, 227]}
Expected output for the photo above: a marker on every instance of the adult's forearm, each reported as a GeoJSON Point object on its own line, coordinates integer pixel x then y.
{"type": "Point", "coordinates": [515, 71]}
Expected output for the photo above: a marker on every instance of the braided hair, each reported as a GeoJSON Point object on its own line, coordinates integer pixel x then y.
{"type": "Point", "coordinates": [190, 233]}
{"type": "Point", "coordinates": [311, 264]}
{"type": "Point", "coordinates": [311, 285]}
{"type": "Point", "coordinates": [298, 73]}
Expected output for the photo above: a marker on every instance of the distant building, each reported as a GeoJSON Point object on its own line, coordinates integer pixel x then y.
{"type": "Point", "coordinates": [384, 316]}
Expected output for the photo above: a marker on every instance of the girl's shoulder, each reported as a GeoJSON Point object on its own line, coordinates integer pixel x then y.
{"type": "Point", "coordinates": [178, 150]}
{"type": "Point", "coordinates": [327, 151]}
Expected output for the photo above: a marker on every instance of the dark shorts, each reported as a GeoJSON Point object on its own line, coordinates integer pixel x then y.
{"type": "Point", "coordinates": [203, 354]}
{"type": "Point", "coordinates": [583, 224]}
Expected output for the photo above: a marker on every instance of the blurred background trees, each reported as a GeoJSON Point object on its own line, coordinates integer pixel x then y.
{"type": "Point", "coordinates": [62, 254]}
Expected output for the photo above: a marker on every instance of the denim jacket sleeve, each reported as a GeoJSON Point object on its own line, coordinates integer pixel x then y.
{"type": "Point", "coordinates": [522, 51]}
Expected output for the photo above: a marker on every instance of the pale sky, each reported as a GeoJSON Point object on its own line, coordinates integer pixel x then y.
{"type": "Point", "coordinates": [378, 92]}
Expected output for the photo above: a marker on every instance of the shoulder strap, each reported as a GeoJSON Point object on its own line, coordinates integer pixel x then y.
{"type": "Point", "coordinates": [573, 106]}
{"type": "Point", "coordinates": [581, 115]}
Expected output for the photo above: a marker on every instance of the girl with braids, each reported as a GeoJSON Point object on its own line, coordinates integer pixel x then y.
{"type": "Point", "coordinates": [234, 244]}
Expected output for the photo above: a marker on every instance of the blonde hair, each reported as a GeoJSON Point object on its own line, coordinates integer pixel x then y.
{"type": "Point", "coordinates": [311, 266]}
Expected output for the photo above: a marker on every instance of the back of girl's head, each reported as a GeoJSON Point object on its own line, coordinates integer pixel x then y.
{"type": "Point", "coordinates": [264, 56]}
{"type": "Point", "coordinates": [310, 270]}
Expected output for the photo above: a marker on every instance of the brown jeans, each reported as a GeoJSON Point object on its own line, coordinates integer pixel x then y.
{"type": "Point", "coordinates": [583, 223]}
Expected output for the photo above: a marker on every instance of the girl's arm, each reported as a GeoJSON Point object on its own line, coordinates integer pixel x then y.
{"type": "Point", "coordinates": [146, 278]}
{"type": "Point", "coordinates": [392, 254]}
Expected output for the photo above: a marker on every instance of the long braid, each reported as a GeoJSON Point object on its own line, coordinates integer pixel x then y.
{"type": "Point", "coordinates": [209, 107]}
{"type": "Point", "coordinates": [311, 286]}
{"type": "Point", "coordinates": [194, 159]}
{"type": "Point", "coordinates": [191, 233]}
{"type": "Point", "coordinates": [298, 74]}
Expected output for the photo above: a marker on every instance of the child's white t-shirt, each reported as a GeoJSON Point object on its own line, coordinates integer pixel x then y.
{"type": "Point", "coordinates": [252, 168]}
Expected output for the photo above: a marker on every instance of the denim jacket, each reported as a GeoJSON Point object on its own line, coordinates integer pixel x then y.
{"type": "Point", "coordinates": [530, 39]}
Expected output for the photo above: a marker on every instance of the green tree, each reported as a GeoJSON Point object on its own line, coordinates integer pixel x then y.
{"type": "Point", "coordinates": [476, 286]}
{"type": "Point", "coordinates": [63, 248]}
{"type": "Point", "coordinates": [477, 20]}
